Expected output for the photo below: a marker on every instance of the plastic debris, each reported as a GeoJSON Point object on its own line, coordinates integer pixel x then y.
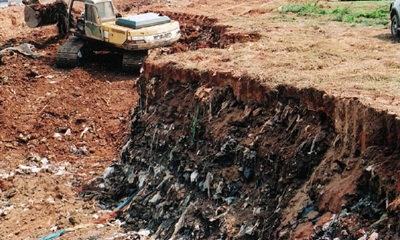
{"type": "Point", "coordinates": [57, 136]}
{"type": "Point", "coordinates": [25, 49]}
{"type": "Point", "coordinates": [374, 236]}
{"type": "Point", "coordinates": [98, 223]}
{"type": "Point", "coordinates": [193, 176]}
{"type": "Point", "coordinates": [54, 235]}
{"type": "Point", "coordinates": [84, 132]}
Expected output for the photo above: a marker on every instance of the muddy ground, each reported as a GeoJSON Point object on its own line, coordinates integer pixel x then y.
{"type": "Point", "coordinates": [250, 127]}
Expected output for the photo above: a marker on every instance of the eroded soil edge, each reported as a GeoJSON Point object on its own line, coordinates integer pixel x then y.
{"type": "Point", "coordinates": [219, 156]}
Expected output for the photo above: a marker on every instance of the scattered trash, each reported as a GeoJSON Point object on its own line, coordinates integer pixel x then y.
{"type": "Point", "coordinates": [108, 171]}
{"type": "Point", "coordinates": [155, 198]}
{"type": "Point", "coordinates": [98, 223]}
{"type": "Point", "coordinates": [50, 200]}
{"type": "Point", "coordinates": [61, 171]}
{"type": "Point", "coordinates": [374, 236]}
{"type": "Point", "coordinates": [54, 235]}
{"type": "Point", "coordinates": [369, 168]}
{"type": "Point", "coordinates": [33, 169]}
{"type": "Point", "coordinates": [5, 210]}
{"type": "Point", "coordinates": [193, 176]}
{"type": "Point", "coordinates": [25, 49]}
{"type": "Point", "coordinates": [57, 136]}
{"type": "Point", "coordinates": [84, 132]}
{"type": "Point", "coordinates": [78, 151]}
{"type": "Point", "coordinates": [44, 162]}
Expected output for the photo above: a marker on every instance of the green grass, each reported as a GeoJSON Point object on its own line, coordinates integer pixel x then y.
{"type": "Point", "coordinates": [370, 13]}
{"type": "Point", "coordinates": [304, 9]}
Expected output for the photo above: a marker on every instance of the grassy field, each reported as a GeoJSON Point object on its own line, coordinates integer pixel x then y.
{"type": "Point", "coordinates": [369, 13]}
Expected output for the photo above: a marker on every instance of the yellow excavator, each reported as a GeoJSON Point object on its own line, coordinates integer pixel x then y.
{"type": "Point", "coordinates": [99, 28]}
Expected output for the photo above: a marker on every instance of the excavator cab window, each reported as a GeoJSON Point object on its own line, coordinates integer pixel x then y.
{"type": "Point", "coordinates": [105, 10]}
{"type": "Point", "coordinates": [91, 14]}
{"type": "Point", "coordinates": [93, 22]}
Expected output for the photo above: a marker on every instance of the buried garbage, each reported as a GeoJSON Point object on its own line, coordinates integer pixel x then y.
{"type": "Point", "coordinates": [209, 166]}
{"type": "Point", "coordinates": [206, 175]}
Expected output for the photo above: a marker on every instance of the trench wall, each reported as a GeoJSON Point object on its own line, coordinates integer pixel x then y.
{"type": "Point", "coordinates": [358, 126]}
{"type": "Point", "coordinates": [359, 168]}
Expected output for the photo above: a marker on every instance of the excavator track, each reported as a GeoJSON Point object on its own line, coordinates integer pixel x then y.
{"type": "Point", "coordinates": [68, 55]}
{"type": "Point", "coordinates": [132, 61]}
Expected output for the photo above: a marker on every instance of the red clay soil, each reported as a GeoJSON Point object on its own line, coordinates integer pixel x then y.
{"type": "Point", "coordinates": [70, 123]}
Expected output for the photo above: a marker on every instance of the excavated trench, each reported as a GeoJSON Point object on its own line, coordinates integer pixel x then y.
{"type": "Point", "coordinates": [202, 32]}
{"type": "Point", "coordinates": [213, 156]}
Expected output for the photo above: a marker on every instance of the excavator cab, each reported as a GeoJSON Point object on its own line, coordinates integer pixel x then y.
{"type": "Point", "coordinates": [95, 13]}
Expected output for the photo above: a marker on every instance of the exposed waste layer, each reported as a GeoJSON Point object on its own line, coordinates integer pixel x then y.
{"type": "Point", "coordinates": [200, 153]}
{"type": "Point", "coordinates": [210, 159]}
